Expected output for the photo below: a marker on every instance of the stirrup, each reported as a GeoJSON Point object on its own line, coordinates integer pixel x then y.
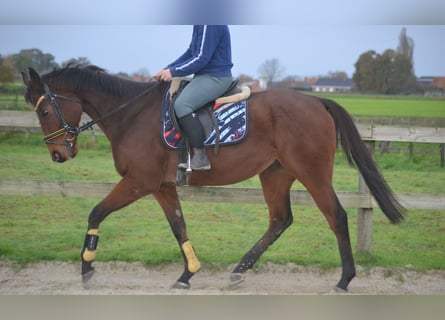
{"type": "Point", "coordinates": [188, 170]}
{"type": "Point", "coordinates": [187, 165]}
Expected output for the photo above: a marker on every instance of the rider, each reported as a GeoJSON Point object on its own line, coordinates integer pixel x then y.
{"type": "Point", "coordinates": [209, 60]}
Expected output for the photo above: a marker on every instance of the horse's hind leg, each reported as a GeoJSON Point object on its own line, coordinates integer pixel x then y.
{"type": "Point", "coordinates": [341, 228]}
{"type": "Point", "coordinates": [167, 197]}
{"type": "Point", "coordinates": [276, 184]}
{"type": "Point", "coordinates": [327, 201]}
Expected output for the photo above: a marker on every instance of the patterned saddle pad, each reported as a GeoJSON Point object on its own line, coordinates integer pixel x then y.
{"type": "Point", "coordinates": [230, 117]}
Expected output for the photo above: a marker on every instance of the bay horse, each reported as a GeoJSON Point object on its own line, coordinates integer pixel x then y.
{"type": "Point", "coordinates": [291, 136]}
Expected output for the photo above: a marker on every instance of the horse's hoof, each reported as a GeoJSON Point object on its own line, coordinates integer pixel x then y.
{"type": "Point", "coordinates": [87, 276]}
{"type": "Point", "coordinates": [236, 278]}
{"type": "Point", "coordinates": [339, 290]}
{"type": "Point", "coordinates": [180, 285]}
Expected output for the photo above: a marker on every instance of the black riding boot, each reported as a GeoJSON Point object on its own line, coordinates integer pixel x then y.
{"type": "Point", "coordinates": [193, 129]}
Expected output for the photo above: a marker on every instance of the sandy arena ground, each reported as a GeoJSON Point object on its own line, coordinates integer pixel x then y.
{"type": "Point", "coordinates": [118, 278]}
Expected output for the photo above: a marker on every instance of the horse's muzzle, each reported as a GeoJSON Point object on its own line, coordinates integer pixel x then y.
{"type": "Point", "coordinates": [57, 157]}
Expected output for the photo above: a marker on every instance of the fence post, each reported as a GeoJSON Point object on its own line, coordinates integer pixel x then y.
{"type": "Point", "coordinates": [411, 152]}
{"type": "Point", "coordinates": [442, 154]}
{"type": "Point", "coordinates": [364, 215]}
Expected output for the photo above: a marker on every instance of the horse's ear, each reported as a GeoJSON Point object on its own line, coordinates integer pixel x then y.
{"type": "Point", "coordinates": [26, 79]}
{"type": "Point", "coordinates": [35, 79]}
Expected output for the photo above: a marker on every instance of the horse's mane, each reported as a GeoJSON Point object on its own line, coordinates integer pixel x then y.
{"type": "Point", "coordinates": [91, 77]}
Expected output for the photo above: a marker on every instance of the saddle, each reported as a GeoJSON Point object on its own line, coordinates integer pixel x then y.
{"type": "Point", "coordinates": [233, 94]}
{"type": "Point", "coordinates": [224, 120]}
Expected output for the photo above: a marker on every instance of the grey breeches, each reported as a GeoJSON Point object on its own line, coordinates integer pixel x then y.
{"type": "Point", "coordinates": [201, 90]}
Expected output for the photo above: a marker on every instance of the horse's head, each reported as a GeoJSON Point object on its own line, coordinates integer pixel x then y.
{"type": "Point", "coordinates": [58, 113]}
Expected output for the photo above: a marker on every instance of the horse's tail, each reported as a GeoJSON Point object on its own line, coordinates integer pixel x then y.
{"type": "Point", "coordinates": [357, 152]}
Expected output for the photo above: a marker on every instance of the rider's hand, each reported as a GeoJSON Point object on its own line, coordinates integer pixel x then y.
{"type": "Point", "coordinates": [163, 75]}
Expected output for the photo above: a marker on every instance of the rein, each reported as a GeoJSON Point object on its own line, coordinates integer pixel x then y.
{"type": "Point", "coordinates": [66, 128]}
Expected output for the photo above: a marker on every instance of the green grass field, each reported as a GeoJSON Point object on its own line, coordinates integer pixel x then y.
{"type": "Point", "coordinates": [425, 107]}
{"type": "Point", "coordinates": [52, 228]}
{"type": "Point", "coordinates": [406, 106]}
{"type": "Point", "coordinates": [14, 102]}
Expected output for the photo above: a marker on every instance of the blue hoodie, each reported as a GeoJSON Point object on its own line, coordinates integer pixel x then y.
{"type": "Point", "coordinates": [209, 53]}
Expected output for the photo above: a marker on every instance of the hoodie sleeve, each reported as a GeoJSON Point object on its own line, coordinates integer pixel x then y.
{"type": "Point", "coordinates": [184, 57]}
{"type": "Point", "coordinates": [202, 47]}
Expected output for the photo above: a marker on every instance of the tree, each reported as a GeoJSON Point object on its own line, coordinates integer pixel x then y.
{"type": "Point", "coordinates": [406, 45]}
{"type": "Point", "coordinates": [365, 72]}
{"type": "Point", "coordinates": [143, 74]}
{"type": "Point", "coordinates": [244, 78]}
{"type": "Point", "coordinates": [6, 70]}
{"type": "Point", "coordinates": [271, 70]}
{"type": "Point", "coordinates": [388, 73]}
{"type": "Point", "coordinates": [338, 75]}
{"type": "Point", "coordinates": [405, 62]}
{"type": "Point", "coordinates": [34, 58]}
{"type": "Point", "coordinates": [81, 62]}
{"type": "Point", "coordinates": [385, 72]}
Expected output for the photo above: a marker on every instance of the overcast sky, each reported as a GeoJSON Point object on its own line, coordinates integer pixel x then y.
{"type": "Point", "coordinates": [307, 41]}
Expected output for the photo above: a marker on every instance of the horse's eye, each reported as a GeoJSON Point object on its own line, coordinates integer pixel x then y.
{"type": "Point", "coordinates": [44, 112]}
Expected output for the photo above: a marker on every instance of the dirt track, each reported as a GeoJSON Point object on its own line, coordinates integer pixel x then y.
{"type": "Point", "coordinates": [133, 278]}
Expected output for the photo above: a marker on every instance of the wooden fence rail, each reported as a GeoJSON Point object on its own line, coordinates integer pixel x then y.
{"type": "Point", "coordinates": [90, 189]}
{"type": "Point", "coordinates": [26, 121]}
{"type": "Point", "coordinates": [11, 120]}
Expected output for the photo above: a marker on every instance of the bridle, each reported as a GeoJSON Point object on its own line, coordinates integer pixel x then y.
{"type": "Point", "coordinates": [65, 127]}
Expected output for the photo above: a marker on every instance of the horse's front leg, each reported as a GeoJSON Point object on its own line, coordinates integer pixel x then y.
{"type": "Point", "coordinates": [167, 197]}
{"type": "Point", "coordinates": [125, 192]}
